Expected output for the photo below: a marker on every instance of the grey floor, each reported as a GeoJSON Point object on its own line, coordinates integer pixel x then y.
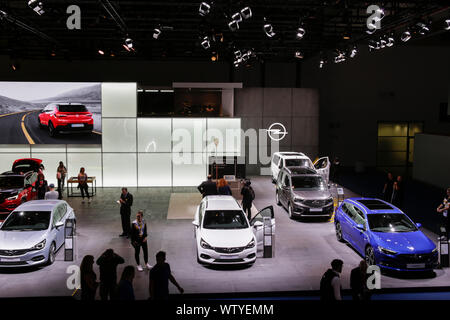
{"type": "Point", "coordinates": [303, 251]}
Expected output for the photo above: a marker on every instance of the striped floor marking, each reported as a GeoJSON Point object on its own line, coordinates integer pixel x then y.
{"type": "Point", "coordinates": [25, 132]}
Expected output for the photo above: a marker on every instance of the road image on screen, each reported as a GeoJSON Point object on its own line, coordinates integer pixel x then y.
{"type": "Point", "coordinates": [50, 113]}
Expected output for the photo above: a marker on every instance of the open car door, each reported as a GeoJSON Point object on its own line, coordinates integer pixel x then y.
{"type": "Point", "coordinates": [27, 165]}
{"type": "Point", "coordinates": [322, 166]}
{"type": "Point", "coordinates": [257, 223]}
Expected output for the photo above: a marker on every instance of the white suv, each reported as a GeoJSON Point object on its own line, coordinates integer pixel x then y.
{"type": "Point", "coordinates": [223, 233]}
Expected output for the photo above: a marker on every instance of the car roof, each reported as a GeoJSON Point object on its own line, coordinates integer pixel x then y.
{"type": "Point", "coordinates": [300, 170]}
{"type": "Point", "coordinates": [221, 203]}
{"type": "Point", "coordinates": [39, 205]}
{"type": "Point", "coordinates": [374, 205]}
{"type": "Point", "coordinates": [291, 154]}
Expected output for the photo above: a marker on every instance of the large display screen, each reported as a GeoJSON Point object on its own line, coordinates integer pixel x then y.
{"type": "Point", "coordinates": [50, 113]}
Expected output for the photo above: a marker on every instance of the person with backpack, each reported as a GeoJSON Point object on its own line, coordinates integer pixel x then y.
{"type": "Point", "coordinates": [330, 284]}
{"type": "Point", "coordinates": [248, 195]}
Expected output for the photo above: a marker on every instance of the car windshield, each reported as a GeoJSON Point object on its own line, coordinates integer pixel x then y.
{"type": "Point", "coordinates": [72, 108]}
{"type": "Point", "coordinates": [308, 182]}
{"type": "Point", "coordinates": [224, 219]}
{"type": "Point", "coordinates": [390, 222]}
{"type": "Point", "coordinates": [27, 221]}
{"type": "Point", "coordinates": [11, 182]}
{"type": "Point", "coordinates": [297, 163]}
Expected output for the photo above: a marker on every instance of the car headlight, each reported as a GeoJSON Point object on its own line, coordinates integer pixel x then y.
{"type": "Point", "coordinates": [251, 244]}
{"type": "Point", "coordinates": [298, 200]}
{"type": "Point", "coordinates": [39, 246]}
{"type": "Point", "coordinates": [386, 251]}
{"type": "Point", "coordinates": [205, 245]}
{"type": "Point", "coordinates": [434, 250]}
{"type": "Point", "coordinates": [13, 197]}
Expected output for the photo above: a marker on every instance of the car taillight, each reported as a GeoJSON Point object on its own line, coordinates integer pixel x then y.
{"type": "Point", "coordinates": [61, 115]}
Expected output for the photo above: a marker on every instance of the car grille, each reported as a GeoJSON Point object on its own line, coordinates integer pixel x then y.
{"type": "Point", "coordinates": [18, 263]}
{"type": "Point", "coordinates": [316, 203]}
{"type": "Point", "coordinates": [228, 260]}
{"type": "Point", "coordinates": [229, 250]}
{"type": "Point", "coordinates": [416, 258]}
{"type": "Point", "coordinates": [11, 253]}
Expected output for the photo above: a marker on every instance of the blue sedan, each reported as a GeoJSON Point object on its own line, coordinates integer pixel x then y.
{"type": "Point", "coordinates": [384, 235]}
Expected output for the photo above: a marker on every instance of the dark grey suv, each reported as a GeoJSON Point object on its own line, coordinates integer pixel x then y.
{"type": "Point", "coordinates": [303, 193]}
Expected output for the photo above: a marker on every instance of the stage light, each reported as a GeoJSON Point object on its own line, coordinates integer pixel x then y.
{"type": "Point", "coordinates": [268, 29]}
{"type": "Point", "coordinates": [423, 28]}
{"type": "Point", "coordinates": [15, 66]}
{"type": "Point", "coordinates": [246, 13]}
{"type": "Point", "coordinates": [204, 9]}
{"type": "Point", "coordinates": [237, 54]}
{"type": "Point", "coordinates": [390, 41]}
{"type": "Point", "coordinates": [322, 62]}
{"type": "Point", "coordinates": [300, 33]}
{"type": "Point", "coordinates": [156, 33]}
{"type": "Point", "coordinates": [205, 43]}
{"type": "Point", "coordinates": [353, 52]}
{"type": "Point", "coordinates": [36, 6]}
{"type": "Point", "coordinates": [128, 45]}
{"type": "Point", "coordinates": [101, 52]}
{"type": "Point", "coordinates": [382, 43]}
{"type": "Point", "coordinates": [298, 54]}
{"type": "Point", "coordinates": [405, 36]}
{"type": "Point", "coordinates": [447, 23]}
{"type": "Point", "coordinates": [233, 25]}
{"type": "Point", "coordinates": [237, 17]}
{"type": "Point", "coordinates": [340, 57]}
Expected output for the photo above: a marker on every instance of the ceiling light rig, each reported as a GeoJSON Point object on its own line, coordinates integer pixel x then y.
{"type": "Point", "coordinates": [299, 55]}
{"type": "Point", "coordinates": [128, 44]}
{"type": "Point", "coordinates": [340, 56]}
{"type": "Point", "coordinates": [447, 24]}
{"type": "Point", "coordinates": [423, 28]}
{"type": "Point", "coordinates": [300, 33]}
{"type": "Point", "coordinates": [204, 9]}
{"type": "Point", "coordinates": [406, 36]}
{"type": "Point", "coordinates": [238, 17]}
{"type": "Point", "coordinates": [243, 56]}
{"type": "Point", "coordinates": [268, 29]}
{"type": "Point", "coordinates": [36, 6]}
{"type": "Point", "coordinates": [353, 52]}
{"type": "Point", "coordinates": [206, 44]}
{"type": "Point", "coordinates": [156, 33]}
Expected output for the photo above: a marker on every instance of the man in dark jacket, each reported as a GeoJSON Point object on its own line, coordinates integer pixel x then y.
{"type": "Point", "coordinates": [108, 263]}
{"type": "Point", "coordinates": [208, 187]}
{"type": "Point", "coordinates": [248, 195]}
{"type": "Point", "coordinates": [358, 282]}
{"type": "Point", "coordinates": [126, 201]}
{"type": "Point", "coordinates": [160, 275]}
{"type": "Point", "coordinates": [330, 284]}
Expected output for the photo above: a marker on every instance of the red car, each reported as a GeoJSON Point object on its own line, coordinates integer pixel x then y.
{"type": "Point", "coordinates": [66, 117]}
{"type": "Point", "coordinates": [18, 185]}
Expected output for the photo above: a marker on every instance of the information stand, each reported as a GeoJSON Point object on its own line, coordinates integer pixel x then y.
{"type": "Point", "coordinates": [69, 240]}
{"type": "Point", "coordinates": [268, 238]}
{"type": "Point", "coordinates": [443, 252]}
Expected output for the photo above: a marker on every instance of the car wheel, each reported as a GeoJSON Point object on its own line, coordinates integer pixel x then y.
{"type": "Point", "coordinates": [290, 211]}
{"type": "Point", "coordinates": [339, 232]}
{"type": "Point", "coordinates": [51, 129]}
{"type": "Point", "coordinates": [51, 254]}
{"type": "Point", "coordinates": [277, 198]}
{"type": "Point", "coordinates": [41, 126]}
{"type": "Point", "coordinates": [370, 256]}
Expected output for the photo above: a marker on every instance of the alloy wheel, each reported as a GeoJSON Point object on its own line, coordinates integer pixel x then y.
{"type": "Point", "coordinates": [51, 129]}
{"type": "Point", "coordinates": [277, 197]}
{"type": "Point", "coordinates": [339, 232]}
{"type": "Point", "coordinates": [52, 254]}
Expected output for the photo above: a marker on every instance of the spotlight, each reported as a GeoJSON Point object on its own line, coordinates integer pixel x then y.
{"type": "Point", "coordinates": [128, 45]}
{"type": "Point", "coordinates": [447, 22]}
{"type": "Point", "coordinates": [156, 33]}
{"type": "Point", "coordinates": [391, 41]}
{"type": "Point", "coordinates": [382, 43]}
{"type": "Point", "coordinates": [340, 57]}
{"type": "Point", "coordinates": [298, 54]}
{"type": "Point", "coordinates": [423, 28]}
{"type": "Point", "coordinates": [405, 36]}
{"type": "Point", "coordinates": [15, 66]}
{"type": "Point", "coordinates": [37, 6]}
{"type": "Point", "coordinates": [101, 52]}
{"type": "Point", "coordinates": [237, 17]}
{"type": "Point", "coordinates": [374, 45]}
{"type": "Point", "coordinates": [233, 25]}
{"type": "Point", "coordinates": [246, 13]}
{"type": "Point", "coordinates": [300, 33]}
{"type": "Point", "coordinates": [205, 43]}
{"type": "Point", "coordinates": [321, 63]}
{"type": "Point", "coordinates": [268, 29]}
{"type": "Point", "coordinates": [353, 52]}
{"type": "Point", "coordinates": [215, 57]}
{"type": "Point", "coordinates": [237, 54]}
{"type": "Point", "coordinates": [204, 9]}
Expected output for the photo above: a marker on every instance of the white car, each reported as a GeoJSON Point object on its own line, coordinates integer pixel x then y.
{"type": "Point", "coordinates": [223, 233]}
{"type": "Point", "coordinates": [33, 233]}
{"type": "Point", "coordinates": [298, 159]}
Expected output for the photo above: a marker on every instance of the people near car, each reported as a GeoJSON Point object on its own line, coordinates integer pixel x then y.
{"type": "Point", "coordinates": [125, 287]}
{"type": "Point", "coordinates": [223, 187]}
{"type": "Point", "coordinates": [88, 278]}
{"type": "Point", "coordinates": [160, 275]}
{"type": "Point", "coordinates": [108, 263]}
{"type": "Point", "coordinates": [208, 187]}
{"type": "Point", "coordinates": [330, 284]}
{"type": "Point", "coordinates": [51, 194]}
{"type": "Point", "coordinates": [335, 170]}
{"type": "Point", "coordinates": [83, 185]}
{"type": "Point", "coordinates": [126, 201]}
{"type": "Point", "coordinates": [388, 187]}
{"type": "Point", "coordinates": [444, 209]}
{"type": "Point", "coordinates": [398, 192]}
{"type": "Point", "coordinates": [358, 282]}
{"type": "Point", "coordinates": [139, 239]}
{"type": "Point", "coordinates": [61, 173]}
{"type": "Point", "coordinates": [248, 195]}
{"type": "Point", "coordinates": [41, 186]}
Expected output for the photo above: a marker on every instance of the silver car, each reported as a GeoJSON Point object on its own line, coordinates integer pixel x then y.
{"type": "Point", "coordinates": [33, 233]}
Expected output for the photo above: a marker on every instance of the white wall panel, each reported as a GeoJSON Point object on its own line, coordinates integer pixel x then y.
{"type": "Point", "coordinates": [226, 132]}
{"type": "Point", "coordinates": [14, 148]}
{"type": "Point", "coordinates": [154, 135]}
{"type": "Point", "coordinates": [7, 159]}
{"type": "Point", "coordinates": [190, 172]}
{"type": "Point", "coordinates": [155, 169]}
{"type": "Point", "coordinates": [78, 148]}
{"type": "Point", "coordinates": [119, 100]}
{"type": "Point", "coordinates": [119, 135]}
{"type": "Point", "coordinates": [92, 163]}
{"type": "Point", "coordinates": [51, 162]}
{"type": "Point", "coordinates": [119, 169]}
{"type": "Point", "coordinates": [188, 135]}
{"type": "Point", "coordinates": [40, 148]}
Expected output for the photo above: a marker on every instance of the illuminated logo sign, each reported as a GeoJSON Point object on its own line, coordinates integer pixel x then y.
{"type": "Point", "coordinates": [277, 131]}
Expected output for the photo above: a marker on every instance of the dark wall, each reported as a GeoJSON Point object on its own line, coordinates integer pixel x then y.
{"type": "Point", "coordinates": [393, 84]}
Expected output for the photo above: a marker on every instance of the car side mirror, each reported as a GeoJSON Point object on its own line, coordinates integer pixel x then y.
{"type": "Point", "coordinates": [419, 225]}
{"type": "Point", "coordinates": [360, 227]}
{"type": "Point", "coordinates": [258, 224]}
{"type": "Point", "coordinates": [280, 166]}
{"type": "Point", "coordinates": [59, 224]}
{"type": "Point", "coordinates": [195, 223]}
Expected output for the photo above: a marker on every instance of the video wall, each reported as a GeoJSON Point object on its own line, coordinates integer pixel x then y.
{"type": "Point", "coordinates": [50, 113]}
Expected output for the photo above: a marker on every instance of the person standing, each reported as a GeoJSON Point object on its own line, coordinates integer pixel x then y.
{"type": "Point", "coordinates": [88, 278]}
{"type": "Point", "coordinates": [160, 275]}
{"type": "Point", "coordinates": [139, 239]}
{"type": "Point", "coordinates": [388, 188]}
{"type": "Point", "coordinates": [398, 192]}
{"type": "Point", "coordinates": [444, 209]}
{"type": "Point", "coordinates": [83, 185]}
{"type": "Point", "coordinates": [41, 186]}
{"type": "Point", "coordinates": [335, 170]}
{"type": "Point", "coordinates": [108, 263]}
{"type": "Point", "coordinates": [330, 284]}
{"type": "Point", "coordinates": [248, 195]}
{"type": "Point", "coordinates": [223, 187]}
{"type": "Point", "coordinates": [358, 282]}
{"type": "Point", "coordinates": [208, 187]}
{"type": "Point", "coordinates": [51, 194]}
{"type": "Point", "coordinates": [61, 172]}
{"type": "Point", "coordinates": [126, 201]}
{"type": "Point", "coordinates": [125, 288]}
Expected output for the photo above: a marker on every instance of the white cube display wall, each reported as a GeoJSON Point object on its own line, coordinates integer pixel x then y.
{"type": "Point", "coordinates": [14, 148]}
{"type": "Point", "coordinates": [188, 135]}
{"type": "Point", "coordinates": [119, 100]}
{"type": "Point", "coordinates": [119, 169]}
{"type": "Point", "coordinates": [154, 135]}
{"type": "Point", "coordinates": [154, 169]}
{"type": "Point", "coordinates": [91, 148]}
{"type": "Point", "coordinates": [91, 162]}
{"type": "Point", "coordinates": [119, 135]}
{"type": "Point", "coordinates": [188, 169]}
{"type": "Point", "coordinates": [51, 162]}
{"type": "Point", "coordinates": [224, 135]}
{"type": "Point", "coordinates": [50, 148]}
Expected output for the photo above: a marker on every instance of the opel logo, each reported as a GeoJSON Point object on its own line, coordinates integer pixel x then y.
{"type": "Point", "coordinates": [277, 131]}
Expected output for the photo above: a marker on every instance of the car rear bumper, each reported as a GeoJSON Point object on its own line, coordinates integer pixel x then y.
{"type": "Point", "coordinates": [69, 128]}
{"type": "Point", "coordinates": [208, 256]}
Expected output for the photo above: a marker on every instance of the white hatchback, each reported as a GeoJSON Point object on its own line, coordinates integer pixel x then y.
{"type": "Point", "coordinates": [223, 233]}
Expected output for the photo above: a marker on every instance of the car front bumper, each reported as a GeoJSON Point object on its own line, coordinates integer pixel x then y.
{"type": "Point", "coordinates": [209, 256]}
{"type": "Point", "coordinates": [301, 210]}
{"type": "Point", "coordinates": [407, 262]}
{"type": "Point", "coordinates": [27, 259]}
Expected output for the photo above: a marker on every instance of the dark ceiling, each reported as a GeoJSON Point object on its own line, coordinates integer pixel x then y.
{"type": "Point", "coordinates": [326, 23]}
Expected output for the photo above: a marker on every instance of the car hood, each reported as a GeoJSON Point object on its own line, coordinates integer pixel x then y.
{"type": "Point", "coordinates": [405, 242]}
{"type": "Point", "coordinates": [18, 240]}
{"type": "Point", "coordinates": [227, 238]}
{"type": "Point", "coordinates": [313, 194]}
{"type": "Point", "coordinates": [9, 190]}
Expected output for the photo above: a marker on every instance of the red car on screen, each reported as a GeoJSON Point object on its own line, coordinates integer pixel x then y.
{"type": "Point", "coordinates": [66, 117]}
{"type": "Point", "coordinates": [18, 185]}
